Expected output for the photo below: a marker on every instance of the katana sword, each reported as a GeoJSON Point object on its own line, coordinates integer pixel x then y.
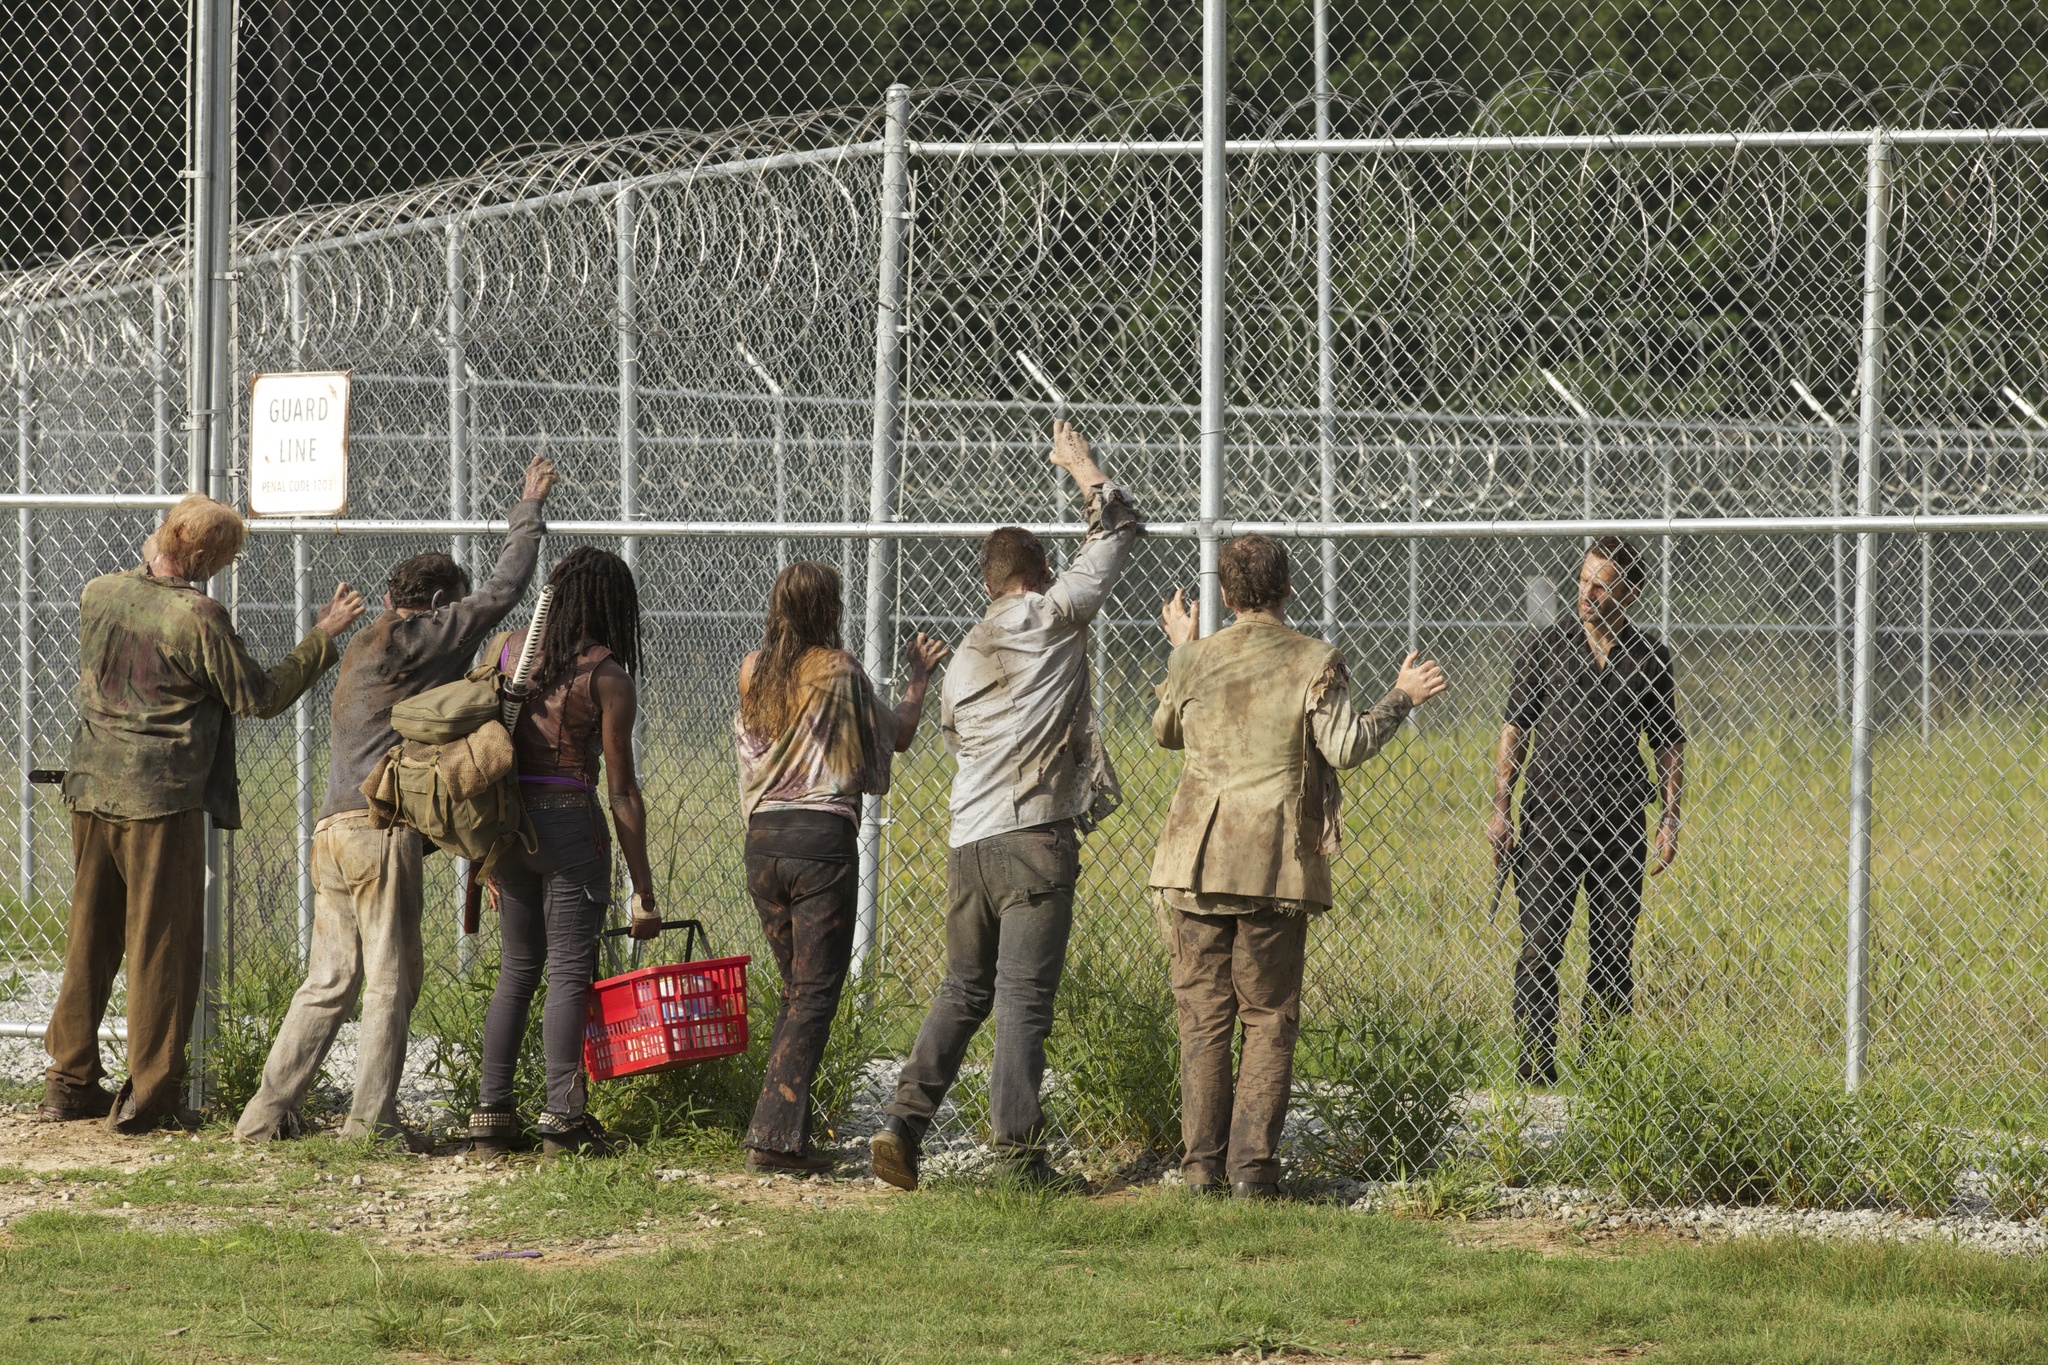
{"type": "Point", "coordinates": [529, 653]}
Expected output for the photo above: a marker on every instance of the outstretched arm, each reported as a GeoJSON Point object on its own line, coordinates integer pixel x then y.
{"type": "Point", "coordinates": [924, 654]}
{"type": "Point", "coordinates": [1112, 527]}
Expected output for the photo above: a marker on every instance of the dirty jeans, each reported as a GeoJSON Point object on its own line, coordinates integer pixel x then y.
{"type": "Point", "coordinates": [366, 938]}
{"type": "Point", "coordinates": [1009, 909]}
{"type": "Point", "coordinates": [139, 887]}
{"type": "Point", "coordinates": [1232, 971]}
{"type": "Point", "coordinates": [551, 907]}
{"type": "Point", "coordinates": [803, 869]}
{"type": "Point", "coordinates": [1557, 853]}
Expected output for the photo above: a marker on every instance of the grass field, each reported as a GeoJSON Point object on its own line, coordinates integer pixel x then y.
{"type": "Point", "coordinates": [1741, 948]}
{"type": "Point", "coordinates": [204, 1252]}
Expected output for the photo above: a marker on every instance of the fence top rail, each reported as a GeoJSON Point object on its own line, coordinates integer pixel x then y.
{"type": "Point", "coordinates": [2005, 523]}
{"type": "Point", "coordinates": [1895, 524]}
{"type": "Point", "coordinates": [1495, 143]}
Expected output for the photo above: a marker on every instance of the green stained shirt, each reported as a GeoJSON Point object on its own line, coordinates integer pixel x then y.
{"type": "Point", "coordinates": [162, 675]}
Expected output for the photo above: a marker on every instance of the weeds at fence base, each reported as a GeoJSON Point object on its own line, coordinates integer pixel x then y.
{"type": "Point", "coordinates": [1683, 1122]}
{"type": "Point", "coordinates": [1115, 1048]}
{"type": "Point", "coordinates": [2019, 1178]}
{"type": "Point", "coordinates": [1380, 1092]}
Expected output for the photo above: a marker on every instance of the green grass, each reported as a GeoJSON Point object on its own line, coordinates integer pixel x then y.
{"type": "Point", "coordinates": [975, 1276]}
{"type": "Point", "coordinates": [1741, 942]}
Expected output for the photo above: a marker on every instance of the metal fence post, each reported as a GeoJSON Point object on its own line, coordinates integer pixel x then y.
{"type": "Point", "coordinates": [1664, 547]}
{"type": "Point", "coordinates": [211, 211]}
{"type": "Point", "coordinates": [24, 587]}
{"type": "Point", "coordinates": [878, 640]}
{"type": "Point", "coordinates": [458, 395]}
{"type": "Point", "coordinates": [1927, 600]}
{"type": "Point", "coordinates": [302, 615]}
{"type": "Point", "coordinates": [1869, 421]}
{"type": "Point", "coordinates": [1326, 358]}
{"type": "Point", "coordinates": [1215, 297]}
{"type": "Point", "coordinates": [1414, 550]}
{"type": "Point", "coordinates": [629, 374]}
{"type": "Point", "coordinates": [780, 453]}
{"type": "Point", "coordinates": [160, 387]}
{"type": "Point", "coordinates": [1840, 549]}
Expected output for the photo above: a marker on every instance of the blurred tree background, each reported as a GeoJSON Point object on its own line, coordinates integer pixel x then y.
{"type": "Point", "coordinates": [342, 99]}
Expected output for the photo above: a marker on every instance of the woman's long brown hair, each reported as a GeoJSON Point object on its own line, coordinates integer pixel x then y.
{"type": "Point", "coordinates": [803, 615]}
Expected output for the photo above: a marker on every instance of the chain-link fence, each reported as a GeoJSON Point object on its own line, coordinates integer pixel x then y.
{"type": "Point", "coordinates": [1487, 315]}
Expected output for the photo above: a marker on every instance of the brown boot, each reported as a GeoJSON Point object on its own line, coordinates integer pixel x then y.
{"type": "Point", "coordinates": [762, 1161]}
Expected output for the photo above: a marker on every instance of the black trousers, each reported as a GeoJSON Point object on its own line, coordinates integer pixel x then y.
{"type": "Point", "coordinates": [1559, 852]}
{"type": "Point", "coordinates": [803, 870]}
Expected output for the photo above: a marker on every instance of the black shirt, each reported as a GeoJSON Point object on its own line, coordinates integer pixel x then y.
{"type": "Point", "coordinates": [1583, 722]}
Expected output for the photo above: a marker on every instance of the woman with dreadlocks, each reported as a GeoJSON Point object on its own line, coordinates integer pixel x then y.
{"type": "Point", "coordinates": [813, 736]}
{"type": "Point", "coordinates": [552, 901]}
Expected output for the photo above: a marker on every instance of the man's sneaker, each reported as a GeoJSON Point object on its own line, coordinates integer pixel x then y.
{"type": "Point", "coordinates": [580, 1136]}
{"type": "Point", "coordinates": [1037, 1174]}
{"type": "Point", "coordinates": [895, 1154]}
{"type": "Point", "coordinates": [763, 1161]}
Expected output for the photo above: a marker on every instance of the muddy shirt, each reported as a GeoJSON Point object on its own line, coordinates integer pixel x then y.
{"type": "Point", "coordinates": [1015, 708]}
{"type": "Point", "coordinates": [395, 657]}
{"type": "Point", "coordinates": [1265, 717]}
{"type": "Point", "coordinates": [839, 746]}
{"type": "Point", "coordinates": [162, 674]}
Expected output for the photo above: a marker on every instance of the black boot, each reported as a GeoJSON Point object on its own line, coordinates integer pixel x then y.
{"type": "Point", "coordinates": [580, 1136]}
{"type": "Point", "coordinates": [495, 1132]}
{"type": "Point", "coordinates": [895, 1153]}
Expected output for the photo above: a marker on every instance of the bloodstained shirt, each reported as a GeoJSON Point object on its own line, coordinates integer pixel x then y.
{"type": "Point", "coordinates": [162, 675]}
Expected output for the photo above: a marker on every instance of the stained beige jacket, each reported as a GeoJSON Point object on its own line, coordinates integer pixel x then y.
{"type": "Point", "coordinates": [1264, 714]}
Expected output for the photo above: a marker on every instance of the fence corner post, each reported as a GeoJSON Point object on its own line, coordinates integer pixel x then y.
{"type": "Point", "coordinates": [1869, 432]}
{"type": "Point", "coordinates": [1215, 297]}
{"type": "Point", "coordinates": [878, 639]}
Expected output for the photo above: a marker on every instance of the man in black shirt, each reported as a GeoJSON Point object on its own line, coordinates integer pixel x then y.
{"type": "Point", "coordinates": [1584, 694]}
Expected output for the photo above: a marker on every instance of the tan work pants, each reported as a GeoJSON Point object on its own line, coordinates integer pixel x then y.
{"type": "Point", "coordinates": [1231, 971]}
{"type": "Point", "coordinates": [367, 902]}
{"type": "Point", "coordinates": [138, 887]}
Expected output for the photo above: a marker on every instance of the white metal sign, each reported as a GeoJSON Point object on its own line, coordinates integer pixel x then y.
{"type": "Point", "coordinates": [298, 444]}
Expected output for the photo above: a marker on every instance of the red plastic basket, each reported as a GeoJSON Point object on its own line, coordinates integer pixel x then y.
{"type": "Point", "coordinates": [661, 1018]}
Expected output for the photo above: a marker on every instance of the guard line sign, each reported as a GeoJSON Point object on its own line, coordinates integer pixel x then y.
{"type": "Point", "coordinates": [298, 444]}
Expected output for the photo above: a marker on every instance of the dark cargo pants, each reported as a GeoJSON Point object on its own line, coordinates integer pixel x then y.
{"type": "Point", "coordinates": [138, 887]}
{"type": "Point", "coordinates": [1231, 971]}
{"type": "Point", "coordinates": [1009, 910]}
{"type": "Point", "coordinates": [1557, 854]}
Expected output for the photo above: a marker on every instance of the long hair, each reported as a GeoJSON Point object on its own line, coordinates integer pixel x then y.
{"type": "Point", "coordinates": [596, 602]}
{"type": "Point", "coordinates": [803, 615]}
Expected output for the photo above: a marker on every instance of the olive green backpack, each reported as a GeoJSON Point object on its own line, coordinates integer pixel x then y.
{"type": "Point", "coordinates": [451, 776]}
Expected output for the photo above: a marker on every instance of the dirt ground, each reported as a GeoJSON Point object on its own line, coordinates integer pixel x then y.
{"type": "Point", "coordinates": [422, 1204]}
{"type": "Point", "coordinates": [440, 1204]}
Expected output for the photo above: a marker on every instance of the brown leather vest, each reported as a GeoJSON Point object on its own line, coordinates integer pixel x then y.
{"type": "Point", "coordinates": [559, 732]}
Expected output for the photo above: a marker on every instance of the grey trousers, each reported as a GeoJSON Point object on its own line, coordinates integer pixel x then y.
{"type": "Point", "coordinates": [366, 938]}
{"type": "Point", "coordinates": [551, 907]}
{"type": "Point", "coordinates": [1009, 909]}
